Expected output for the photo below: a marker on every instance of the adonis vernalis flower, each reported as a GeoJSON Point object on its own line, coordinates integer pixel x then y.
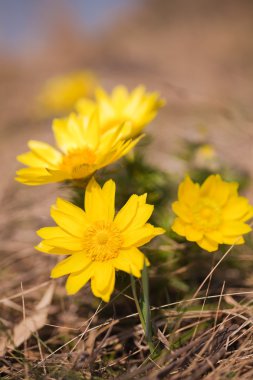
{"type": "Point", "coordinates": [211, 214]}
{"type": "Point", "coordinates": [206, 157]}
{"type": "Point", "coordinates": [135, 109]}
{"type": "Point", "coordinates": [83, 150]}
{"type": "Point", "coordinates": [60, 94]}
{"type": "Point", "coordinates": [97, 241]}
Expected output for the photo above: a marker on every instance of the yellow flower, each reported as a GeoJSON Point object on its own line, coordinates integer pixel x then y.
{"type": "Point", "coordinates": [206, 157]}
{"type": "Point", "coordinates": [97, 241]}
{"type": "Point", "coordinates": [206, 152]}
{"type": "Point", "coordinates": [60, 94]}
{"type": "Point", "coordinates": [136, 109]}
{"type": "Point", "coordinates": [83, 151]}
{"type": "Point", "coordinates": [211, 214]}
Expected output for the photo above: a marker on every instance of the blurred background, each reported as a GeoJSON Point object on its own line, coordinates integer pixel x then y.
{"type": "Point", "coordinates": [198, 54]}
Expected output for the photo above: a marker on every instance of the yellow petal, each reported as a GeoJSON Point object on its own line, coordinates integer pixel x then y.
{"type": "Point", "coordinates": [119, 96]}
{"type": "Point", "coordinates": [233, 240]}
{"type": "Point", "coordinates": [130, 261]}
{"type": "Point", "coordinates": [116, 152]}
{"type": "Point", "coordinates": [209, 185]}
{"type": "Point", "coordinates": [77, 280]}
{"type": "Point", "coordinates": [182, 210]}
{"type": "Point", "coordinates": [51, 232]}
{"type": "Point", "coordinates": [69, 217]}
{"type": "Point", "coordinates": [215, 236]}
{"type": "Point", "coordinates": [179, 227]}
{"type": "Point", "coordinates": [34, 176]}
{"type": "Point", "coordinates": [94, 202]}
{"type": "Point", "coordinates": [70, 242]}
{"type": "Point", "coordinates": [45, 151]}
{"type": "Point", "coordinates": [30, 159]}
{"type": "Point", "coordinates": [208, 244]}
{"type": "Point", "coordinates": [136, 108]}
{"type": "Point", "coordinates": [103, 280]}
{"type": "Point", "coordinates": [127, 213]}
{"type": "Point", "coordinates": [63, 134]}
{"type": "Point", "coordinates": [235, 228]}
{"type": "Point", "coordinates": [78, 126]}
{"type": "Point", "coordinates": [58, 175]}
{"type": "Point", "coordinates": [188, 192]}
{"type": "Point", "coordinates": [108, 190]}
{"type": "Point", "coordinates": [233, 188]}
{"type": "Point", "coordinates": [107, 111]}
{"type": "Point", "coordinates": [71, 209]}
{"type": "Point", "coordinates": [93, 131]}
{"type": "Point", "coordinates": [192, 234]}
{"type": "Point", "coordinates": [111, 138]}
{"type": "Point", "coordinates": [85, 106]}
{"type": "Point", "coordinates": [248, 215]}
{"type": "Point", "coordinates": [236, 208]}
{"type": "Point", "coordinates": [135, 99]}
{"type": "Point", "coordinates": [42, 247]}
{"type": "Point", "coordinates": [140, 236]}
{"type": "Point", "coordinates": [111, 154]}
{"type": "Point", "coordinates": [74, 263]}
{"type": "Point", "coordinates": [76, 131]}
{"type": "Point", "coordinates": [215, 188]}
{"type": "Point", "coordinates": [143, 213]}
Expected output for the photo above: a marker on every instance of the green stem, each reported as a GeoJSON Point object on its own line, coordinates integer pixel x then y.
{"type": "Point", "coordinates": [146, 307]}
{"type": "Point", "coordinates": [137, 302]}
{"type": "Point", "coordinates": [144, 317]}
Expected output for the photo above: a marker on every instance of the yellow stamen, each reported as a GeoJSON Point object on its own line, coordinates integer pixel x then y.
{"type": "Point", "coordinates": [102, 241]}
{"type": "Point", "coordinates": [79, 163]}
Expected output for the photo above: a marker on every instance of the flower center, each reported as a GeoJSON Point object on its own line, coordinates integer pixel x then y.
{"type": "Point", "coordinates": [79, 163]}
{"type": "Point", "coordinates": [102, 237]}
{"type": "Point", "coordinates": [102, 241]}
{"type": "Point", "coordinates": [206, 215]}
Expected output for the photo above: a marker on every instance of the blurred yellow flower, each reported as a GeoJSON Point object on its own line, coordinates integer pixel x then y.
{"type": "Point", "coordinates": [60, 94]}
{"type": "Point", "coordinates": [135, 109]}
{"type": "Point", "coordinates": [206, 157]}
{"type": "Point", "coordinates": [83, 150]}
{"type": "Point", "coordinates": [97, 241]}
{"type": "Point", "coordinates": [211, 214]}
{"type": "Point", "coordinates": [206, 151]}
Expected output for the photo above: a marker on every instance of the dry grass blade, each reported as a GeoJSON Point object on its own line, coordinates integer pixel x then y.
{"type": "Point", "coordinates": [195, 358]}
{"type": "Point", "coordinates": [29, 325]}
